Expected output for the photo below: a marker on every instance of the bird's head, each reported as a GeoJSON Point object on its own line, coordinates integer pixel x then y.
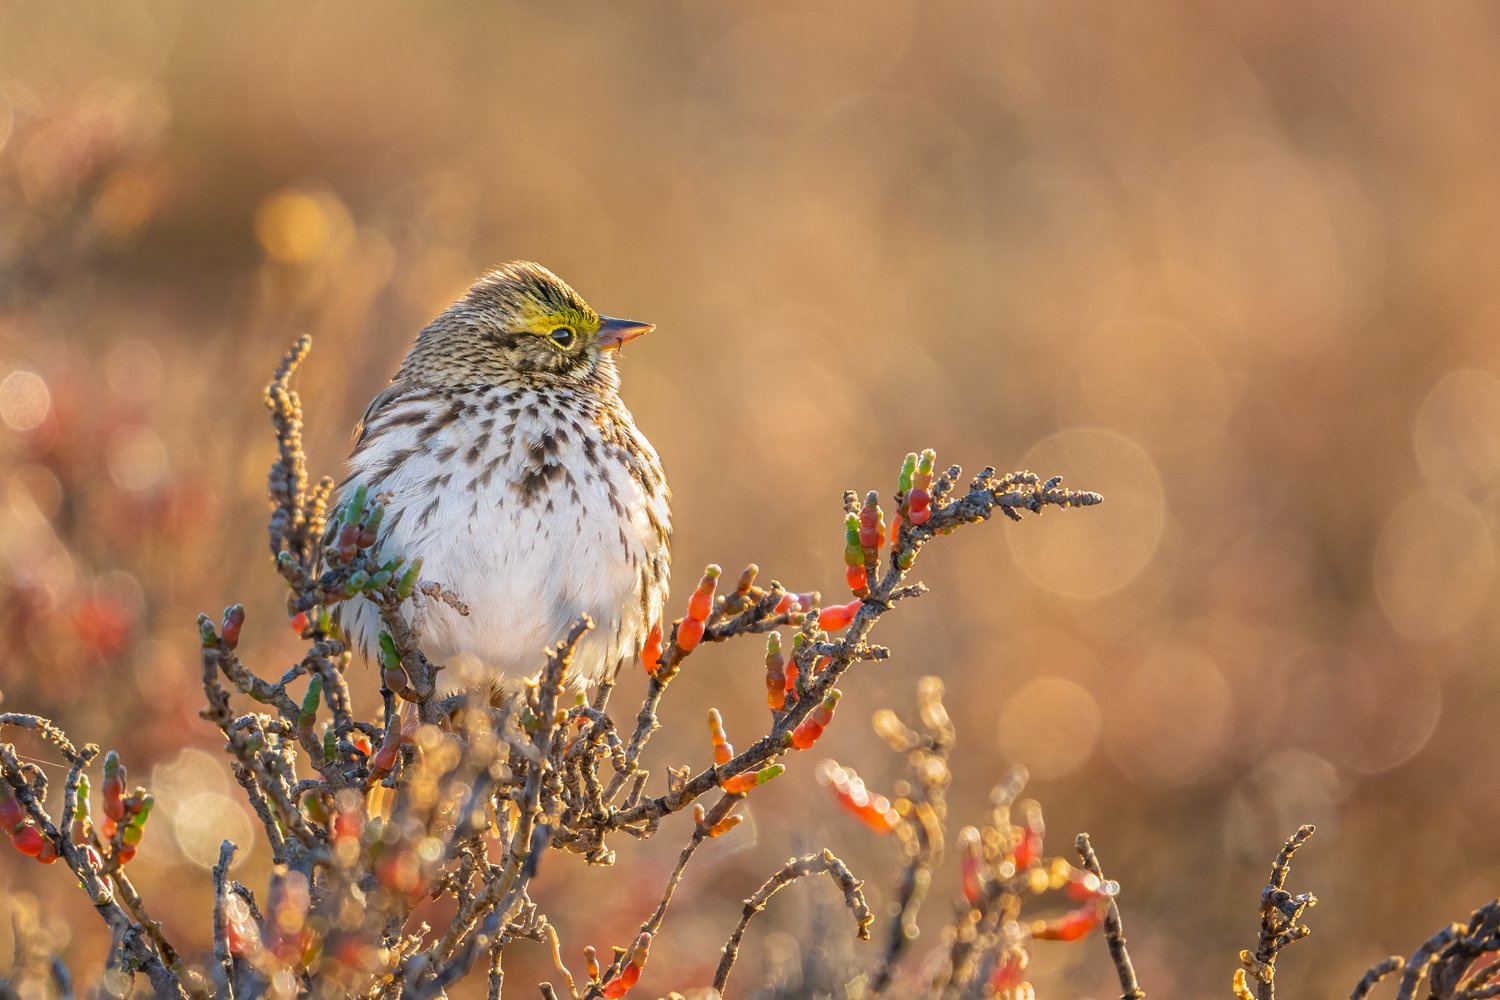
{"type": "Point", "coordinates": [520, 320]}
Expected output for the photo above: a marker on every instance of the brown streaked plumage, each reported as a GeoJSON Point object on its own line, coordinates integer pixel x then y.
{"type": "Point", "coordinates": [515, 471]}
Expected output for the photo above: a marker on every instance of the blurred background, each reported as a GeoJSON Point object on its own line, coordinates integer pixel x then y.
{"type": "Point", "coordinates": [1231, 265]}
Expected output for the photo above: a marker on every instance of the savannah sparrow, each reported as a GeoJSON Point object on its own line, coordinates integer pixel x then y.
{"type": "Point", "coordinates": [513, 469]}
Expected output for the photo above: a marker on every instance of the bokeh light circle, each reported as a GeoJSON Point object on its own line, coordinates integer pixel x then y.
{"type": "Point", "coordinates": [1434, 565]}
{"type": "Point", "coordinates": [1051, 725]}
{"type": "Point", "coordinates": [24, 400]}
{"type": "Point", "coordinates": [1366, 713]}
{"type": "Point", "coordinates": [137, 458]}
{"type": "Point", "coordinates": [1457, 431]}
{"type": "Point", "coordinates": [1283, 790]}
{"type": "Point", "coordinates": [204, 821]}
{"type": "Point", "coordinates": [1096, 552]}
{"type": "Point", "coordinates": [195, 792]}
{"type": "Point", "coordinates": [1170, 723]}
{"type": "Point", "coordinates": [1122, 368]}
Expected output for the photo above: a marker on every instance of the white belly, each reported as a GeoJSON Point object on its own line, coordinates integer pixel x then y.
{"type": "Point", "coordinates": [529, 527]}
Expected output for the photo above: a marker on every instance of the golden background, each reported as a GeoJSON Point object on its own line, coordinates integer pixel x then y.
{"type": "Point", "coordinates": [1232, 265]}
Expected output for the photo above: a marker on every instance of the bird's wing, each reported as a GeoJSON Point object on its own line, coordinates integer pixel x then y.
{"type": "Point", "coordinates": [383, 398]}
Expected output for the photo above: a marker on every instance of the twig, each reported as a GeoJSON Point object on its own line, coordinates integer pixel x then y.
{"type": "Point", "coordinates": [1280, 912]}
{"type": "Point", "coordinates": [808, 864]}
{"type": "Point", "coordinates": [1376, 973]}
{"type": "Point", "coordinates": [1416, 965]}
{"type": "Point", "coordinates": [1114, 929]}
{"type": "Point", "coordinates": [224, 987]}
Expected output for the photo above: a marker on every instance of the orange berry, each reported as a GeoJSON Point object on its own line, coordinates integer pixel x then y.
{"type": "Point", "coordinates": [806, 734]}
{"type": "Point", "coordinates": [858, 580]}
{"type": "Point", "coordinates": [688, 634]}
{"type": "Point", "coordinates": [701, 604]}
{"type": "Point", "coordinates": [775, 673]}
{"type": "Point", "coordinates": [385, 758]}
{"type": "Point", "coordinates": [724, 825]}
{"type": "Point", "coordinates": [723, 752]}
{"type": "Point", "coordinates": [651, 654]}
{"type": "Point", "coordinates": [838, 616]}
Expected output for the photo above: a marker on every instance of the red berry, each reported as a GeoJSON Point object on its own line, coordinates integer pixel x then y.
{"type": "Point", "coordinates": [1009, 973]}
{"type": "Point", "coordinates": [1070, 927]}
{"type": "Point", "coordinates": [348, 823]}
{"type": "Point", "coordinates": [299, 622]}
{"type": "Point", "coordinates": [969, 870]}
{"type": "Point", "coordinates": [48, 854]}
{"type": "Point", "coordinates": [1029, 851]}
{"type": "Point", "coordinates": [1083, 886]}
{"type": "Point", "coordinates": [620, 985]}
{"type": "Point", "coordinates": [234, 620]}
{"type": "Point", "coordinates": [11, 813]}
{"type": "Point", "coordinates": [918, 506]}
{"type": "Point", "coordinates": [114, 802]}
{"type": "Point", "coordinates": [28, 840]}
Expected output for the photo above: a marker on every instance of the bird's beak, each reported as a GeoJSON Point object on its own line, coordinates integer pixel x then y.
{"type": "Point", "coordinates": [616, 333]}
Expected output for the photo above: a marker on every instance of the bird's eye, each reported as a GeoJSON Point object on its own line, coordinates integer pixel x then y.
{"type": "Point", "coordinates": [562, 337]}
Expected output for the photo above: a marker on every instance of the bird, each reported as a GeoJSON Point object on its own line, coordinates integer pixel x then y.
{"type": "Point", "coordinates": [508, 463]}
